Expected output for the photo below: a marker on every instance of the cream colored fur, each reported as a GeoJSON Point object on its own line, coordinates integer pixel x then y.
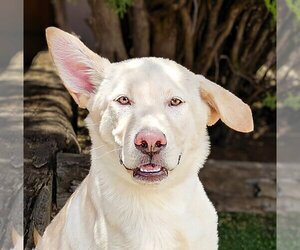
{"type": "Point", "coordinates": [110, 209]}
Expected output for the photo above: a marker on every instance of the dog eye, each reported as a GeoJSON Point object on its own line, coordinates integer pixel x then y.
{"type": "Point", "coordinates": [123, 100]}
{"type": "Point", "coordinates": [175, 101]}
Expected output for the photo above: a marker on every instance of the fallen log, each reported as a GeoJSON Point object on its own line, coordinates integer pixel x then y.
{"type": "Point", "coordinates": [48, 113]}
{"type": "Point", "coordinates": [71, 170]}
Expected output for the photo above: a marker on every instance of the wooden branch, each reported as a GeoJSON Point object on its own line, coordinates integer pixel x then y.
{"type": "Point", "coordinates": [236, 71]}
{"type": "Point", "coordinates": [225, 30]}
{"type": "Point", "coordinates": [188, 38]}
{"type": "Point", "coordinates": [239, 37]}
{"type": "Point", "coordinates": [195, 16]}
{"type": "Point", "coordinates": [217, 68]}
{"type": "Point", "coordinates": [270, 64]}
{"type": "Point", "coordinates": [212, 25]}
{"type": "Point", "coordinates": [259, 90]}
{"type": "Point", "coordinates": [209, 26]}
{"type": "Point", "coordinates": [261, 41]}
{"type": "Point", "coordinates": [258, 56]}
{"type": "Point", "coordinates": [255, 24]}
{"type": "Point", "coordinates": [199, 35]}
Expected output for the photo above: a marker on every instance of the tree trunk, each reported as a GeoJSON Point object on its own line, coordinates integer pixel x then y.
{"type": "Point", "coordinates": [164, 36]}
{"type": "Point", "coordinates": [60, 14]}
{"type": "Point", "coordinates": [106, 27]}
{"type": "Point", "coordinates": [141, 30]}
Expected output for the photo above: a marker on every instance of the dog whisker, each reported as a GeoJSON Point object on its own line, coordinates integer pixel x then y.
{"type": "Point", "coordinates": [92, 124]}
{"type": "Point", "coordinates": [106, 153]}
{"type": "Point", "coordinates": [101, 146]}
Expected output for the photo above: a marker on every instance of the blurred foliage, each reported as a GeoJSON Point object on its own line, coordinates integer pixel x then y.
{"type": "Point", "coordinates": [292, 101]}
{"type": "Point", "coordinates": [269, 101]}
{"type": "Point", "coordinates": [241, 231]}
{"type": "Point", "coordinates": [120, 6]}
{"type": "Point", "coordinates": [294, 6]}
{"type": "Point", "coordinates": [271, 6]}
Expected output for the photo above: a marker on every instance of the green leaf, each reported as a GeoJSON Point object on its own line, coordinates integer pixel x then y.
{"type": "Point", "coordinates": [269, 101]}
{"type": "Point", "coordinates": [272, 8]}
{"type": "Point", "coordinates": [120, 6]}
{"type": "Point", "coordinates": [294, 6]}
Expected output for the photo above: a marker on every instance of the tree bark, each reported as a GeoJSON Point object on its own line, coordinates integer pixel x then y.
{"type": "Point", "coordinates": [60, 14]}
{"type": "Point", "coordinates": [141, 30]}
{"type": "Point", "coordinates": [106, 27]}
{"type": "Point", "coordinates": [188, 38]}
{"type": "Point", "coordinates": [225, 30]}
{"type": "Point", "coordinates": [239, 37]}
{"type": "Point", "coordinates": [164, 36]}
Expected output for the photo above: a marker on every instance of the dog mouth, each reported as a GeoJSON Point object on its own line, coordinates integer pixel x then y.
{"type": "Point", "coordinates": [149, 173]}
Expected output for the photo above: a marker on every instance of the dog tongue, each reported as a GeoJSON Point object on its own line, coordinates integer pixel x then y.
{"type": "Point", "coordinates": [150, 168]}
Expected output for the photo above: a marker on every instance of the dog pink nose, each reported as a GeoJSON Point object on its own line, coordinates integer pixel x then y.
{"type": "Point", "coordinates": [150, 142]}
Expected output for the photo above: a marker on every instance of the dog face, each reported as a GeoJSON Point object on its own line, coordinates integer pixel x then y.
{"type": "Point", "coordinates": [147, 115]}
{"type": "Point", "coordinates": [145, 107]}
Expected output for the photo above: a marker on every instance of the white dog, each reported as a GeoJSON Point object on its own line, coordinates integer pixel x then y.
{"type": "Point", "coordinates": [147, 120]}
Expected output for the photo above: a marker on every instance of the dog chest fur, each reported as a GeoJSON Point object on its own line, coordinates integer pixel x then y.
{"type": "Point", "coordinates": [135, 223]}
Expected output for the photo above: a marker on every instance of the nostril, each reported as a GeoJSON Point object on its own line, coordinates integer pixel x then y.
{"type": "Point", "coordinates": [144, 144]}
{"type": "Point", "coordinates": [158, 144]}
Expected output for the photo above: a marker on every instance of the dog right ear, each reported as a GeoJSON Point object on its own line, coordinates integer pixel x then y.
{"type": "Point", "coordinates": [80, 69]}
{"type": "Point", "coordinates": [225, 106]}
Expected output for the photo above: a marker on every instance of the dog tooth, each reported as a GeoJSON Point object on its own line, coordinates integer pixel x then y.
{"type": "Point", "coordinates": [150, 170]}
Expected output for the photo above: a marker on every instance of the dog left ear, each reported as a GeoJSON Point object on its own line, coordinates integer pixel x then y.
{"type": "Point", "coordinates": [81, 69]}
{"type": "Point", "coordinates": [225, 106]}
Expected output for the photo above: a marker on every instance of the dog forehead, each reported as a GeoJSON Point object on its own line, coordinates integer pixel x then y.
{"type": "Point", "coordinates": [158, 72]}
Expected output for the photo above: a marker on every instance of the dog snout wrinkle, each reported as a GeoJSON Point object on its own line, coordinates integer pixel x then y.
{"type": "Point", "coordinates": [150, 142]}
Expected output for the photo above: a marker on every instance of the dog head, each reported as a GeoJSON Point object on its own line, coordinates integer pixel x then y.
{"type": "Point", "coordinates": [147, 116]}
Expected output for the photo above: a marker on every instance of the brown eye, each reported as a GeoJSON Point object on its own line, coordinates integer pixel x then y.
{"type": "Point", "coordinates": [175, 102]}
{"type": "Point", "coordinates": [123, 100]}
